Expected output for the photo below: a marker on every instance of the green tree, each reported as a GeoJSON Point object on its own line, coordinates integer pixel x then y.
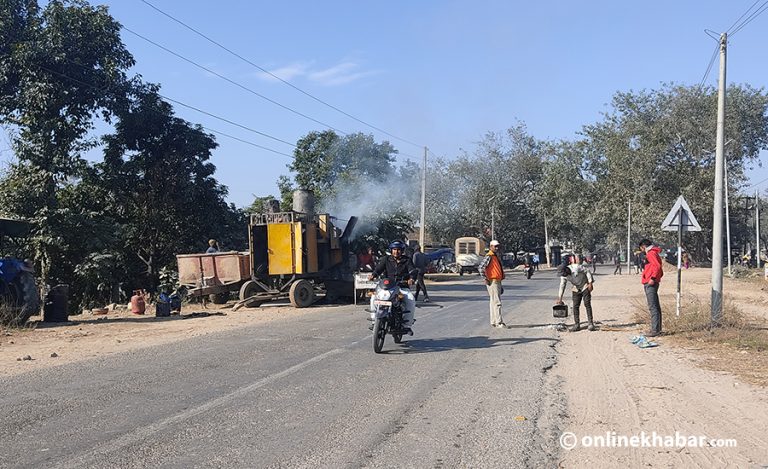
{"type": "Point", "coordinates": [60, 66]}
{"type": "Point", "coordinates": [656, 145]}
{"type": "Point", "coordinates": [160, 185]}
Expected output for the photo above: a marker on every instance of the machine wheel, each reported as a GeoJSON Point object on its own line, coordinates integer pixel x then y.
{"type": "Point", "coordinates": [379, 334]}
{"type": "Point", "coordinates": [249, 289]}
{"type": "Point", "coordinates": [22, 299]}
{"type": "Point", "coordinates": [218, 298]}
{"type": "Point", "coordinates": [301, 294]}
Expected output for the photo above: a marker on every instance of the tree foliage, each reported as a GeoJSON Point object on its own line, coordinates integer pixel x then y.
{"type": "Point", "coordinates": [109, 227]}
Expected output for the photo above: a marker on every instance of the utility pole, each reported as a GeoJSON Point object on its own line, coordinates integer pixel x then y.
{"type": "Point", "coordinates": [423, 201]}
{"type": "Point", "coordinates": [493, 221]}
{"type": "Point", "coordinates": [629, 236]}
{"type": "Point", "coordinates": [727, 217]}
{"type": "Point", "coordinates": [546, 245]}
{"type": "Point", "coordinates": [757, 228]}
{"type": "Point", "coordinates": [717, 211]}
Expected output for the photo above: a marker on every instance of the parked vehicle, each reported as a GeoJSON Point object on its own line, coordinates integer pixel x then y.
{"type": "Point", "coordinates": [19, 297]}
{"type": "Point", "coordinates": [469, 254]}
{"type": "Point", "coordinates": [297, 254]}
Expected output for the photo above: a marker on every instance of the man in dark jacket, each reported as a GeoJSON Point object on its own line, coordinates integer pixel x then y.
{"type": "Point", "coordinates": [652, 273]}
{"type": "Point", "coordinates": [398, 268]}
{"type": "Point", "coordinates": [421, 261]}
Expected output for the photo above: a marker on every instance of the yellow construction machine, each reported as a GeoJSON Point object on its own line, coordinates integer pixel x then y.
{"type": "Point", "coordinates": [295, 254]}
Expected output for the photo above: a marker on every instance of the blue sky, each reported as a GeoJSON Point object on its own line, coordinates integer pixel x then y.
{"type": "Point", "coordinates": [438, 73]}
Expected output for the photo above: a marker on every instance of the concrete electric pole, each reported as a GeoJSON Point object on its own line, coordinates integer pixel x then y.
{"type": "Point", "coordinates": [423, 201]}
{"type": "Point", "coordinates": [717, 211]}
{"type": "Point", "coordinates": [757, 228]}
{"type": "Point", "coordinates": [629, 237]}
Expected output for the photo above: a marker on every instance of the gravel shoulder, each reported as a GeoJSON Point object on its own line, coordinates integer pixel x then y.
{"type": "Point", "coordinates": [613, 386]}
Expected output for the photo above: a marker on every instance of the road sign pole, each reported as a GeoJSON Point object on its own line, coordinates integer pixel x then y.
{"type": "Point", "coordinates": [680, 213]}
{"type": "Point", "coordinates": [680, 219]}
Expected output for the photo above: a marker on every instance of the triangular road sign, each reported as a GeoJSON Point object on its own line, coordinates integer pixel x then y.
{"type": "Point", "coordinates": [680, 209]}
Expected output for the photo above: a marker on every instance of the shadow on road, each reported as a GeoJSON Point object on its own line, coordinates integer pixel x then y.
{"type": "Point", "coordinates": [463, 343]}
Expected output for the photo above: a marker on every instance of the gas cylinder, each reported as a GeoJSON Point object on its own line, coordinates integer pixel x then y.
{"type": "Point", "coordinates": [137, 302]}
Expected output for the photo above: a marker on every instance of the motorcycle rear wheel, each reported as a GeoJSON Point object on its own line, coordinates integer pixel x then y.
{"type": "Point", "coordinates": [379, 334]}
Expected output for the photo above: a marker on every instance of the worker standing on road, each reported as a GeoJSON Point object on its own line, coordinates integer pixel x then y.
{"type": "Point", "coordinates": [421, 261]}
{"type": "Point", "coordinates": [652, 273]}
{"type": "Point", "coordinates": [493, 273]}
{"type": "Point", "coordinates": [582, 281]}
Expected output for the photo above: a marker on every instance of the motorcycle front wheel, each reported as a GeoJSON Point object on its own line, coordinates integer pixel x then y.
{"type": "Point", "coordinates": [379, 333]}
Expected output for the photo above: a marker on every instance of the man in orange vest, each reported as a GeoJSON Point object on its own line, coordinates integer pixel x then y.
{"type": "Point", "coordinates": [493, 273]}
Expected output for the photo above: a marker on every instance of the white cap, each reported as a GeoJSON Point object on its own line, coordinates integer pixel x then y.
{"type": "Point", "coordinates": [495, 243]}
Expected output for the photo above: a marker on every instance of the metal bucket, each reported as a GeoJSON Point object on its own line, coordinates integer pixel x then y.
{"type": "Point", "coordinates": [560, 311]}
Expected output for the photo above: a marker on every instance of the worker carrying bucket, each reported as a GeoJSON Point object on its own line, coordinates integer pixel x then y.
{"type": "Point", "coordinates": [582, 282]}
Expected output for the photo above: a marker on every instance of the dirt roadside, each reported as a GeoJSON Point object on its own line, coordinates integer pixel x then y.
{"type": "Point", "coordinates": [616, 389]}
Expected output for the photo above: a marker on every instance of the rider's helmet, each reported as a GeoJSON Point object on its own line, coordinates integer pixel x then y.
{"type": "Point", "coordinates": [396, 245]}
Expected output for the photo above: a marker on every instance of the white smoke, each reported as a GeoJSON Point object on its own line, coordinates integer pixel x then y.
{"type": "Point", "coordinates": [370, 199]}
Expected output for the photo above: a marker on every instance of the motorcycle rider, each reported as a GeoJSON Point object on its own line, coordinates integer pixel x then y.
{"type": "Point", "coordinates": [398, 268]}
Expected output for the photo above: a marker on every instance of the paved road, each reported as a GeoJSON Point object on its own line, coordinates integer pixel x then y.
{"type": "Point", "coordinates": [309, 393]}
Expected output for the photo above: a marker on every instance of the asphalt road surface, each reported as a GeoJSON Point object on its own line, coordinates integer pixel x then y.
{"type": "Point", "coordinates": [309, 393]}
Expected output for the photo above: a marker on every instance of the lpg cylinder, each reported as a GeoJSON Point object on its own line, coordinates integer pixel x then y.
{"type": "Point", "coordinates": [138, 306]}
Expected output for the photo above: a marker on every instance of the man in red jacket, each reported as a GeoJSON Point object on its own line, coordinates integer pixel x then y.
{"type": "Point", "coordinates": [652, 273]}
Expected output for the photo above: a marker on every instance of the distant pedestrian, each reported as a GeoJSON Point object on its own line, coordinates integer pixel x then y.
{"type": "Point", "coordinates": [686, 260]}
{"type": "Point", "coordinates": [617, 263]}
{"type": "Point", "coordinates": [213, 247]}
{"type": "Point", "coordinates": [536, 261]}
{"type": "Point", "coordinates": [652, 273]}
{"type": "Point", "coordinates": [493, 273]}
{"type": "Point", "coordinates": [421, 261]}
{"type": "Point", "coordinates": [639, 258]}
{"type": "Point", "coordinates": [366, 261]}
{"type": "Point", "coordinates": [583, 283]}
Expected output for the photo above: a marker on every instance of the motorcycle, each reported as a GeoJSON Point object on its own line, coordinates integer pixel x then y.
{"type": "Point", "coordinates": [528, 268]}
{"type": "Point", "coordinates": [389, 304]}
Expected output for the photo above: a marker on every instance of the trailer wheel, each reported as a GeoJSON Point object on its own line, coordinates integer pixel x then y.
{"type": "Point", "coordinates": [218, 298]}
{"type": "Point", "coordinates": [301, 294]}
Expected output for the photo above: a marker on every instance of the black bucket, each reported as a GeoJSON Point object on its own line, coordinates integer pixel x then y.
{"type": "Point", "coordinates": [55, 307]}
{"type": "Point", "coordinates": [162, 309]}
{"type": "Point", "coordinates": [560, 311]}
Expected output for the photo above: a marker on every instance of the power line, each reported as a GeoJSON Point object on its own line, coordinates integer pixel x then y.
{"type": "Point", "coordinates": [247, 142]}
{"type": "Point", "coordinates": [212, 41]}
{"type": "Point", "coordinates": [229, 80]}
{"type": "Point", "coordinates": [751, 17]}
{"type": "Point", "coordinates": [742, 16]}
{"type": "Point", "coordinates": [709, 67]}
{"type": "Point", "coordinates": [224, 119]}
{"type": "Point", "coordinates": [190, 107]}
{"type": "Point", "coordinates": [756, 184]}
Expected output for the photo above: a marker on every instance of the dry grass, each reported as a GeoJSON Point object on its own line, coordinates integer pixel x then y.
{"type": "Point", "coordinates": [739, 345]}
{"type": "Point", "coordinates": [9, 320]}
